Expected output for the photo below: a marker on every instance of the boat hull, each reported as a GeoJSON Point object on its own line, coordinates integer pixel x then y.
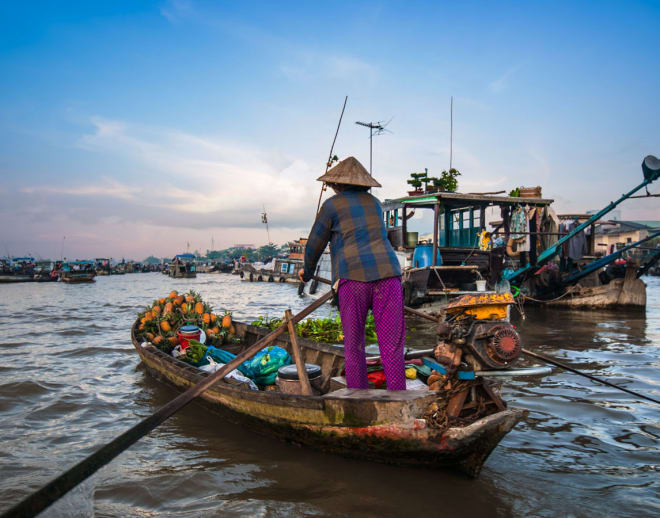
{"type": "Point", "coordinates": [182, 275]}
{"type": "Point", "coordinates": [77, 278]}
{"type": "Point", "coordinates": [16, 278]}
{"type": "Point", "coordinates": [374, 425]}
{"type": "Point", "coordinates": [617, 293]}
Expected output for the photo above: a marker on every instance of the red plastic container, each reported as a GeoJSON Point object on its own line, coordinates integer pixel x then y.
{"type": "Point", "coordinates": [187, 333]}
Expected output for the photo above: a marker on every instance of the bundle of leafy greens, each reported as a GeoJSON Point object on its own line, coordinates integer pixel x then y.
{"type": "Point", "coordinates": [194, 352]}
{"type": "Point", "coordinates": [327, 330]}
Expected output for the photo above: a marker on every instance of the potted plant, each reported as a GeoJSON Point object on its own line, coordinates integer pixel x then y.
{"type": "Point", "coordinates": [416, 180]}
{"type": "Point", "coordinates": [448, 181]}
{"type": "Point", "coordinates": [435, 185]}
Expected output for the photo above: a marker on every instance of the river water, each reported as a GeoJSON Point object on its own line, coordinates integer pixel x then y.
{"type": "Point", "coordinates": [71, 381]}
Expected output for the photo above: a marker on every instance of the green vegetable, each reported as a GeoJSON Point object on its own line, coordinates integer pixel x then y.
{"type": "Point", "coordinates": [194, 352]}
{"type": "Point", "coordinates": [327, 330]}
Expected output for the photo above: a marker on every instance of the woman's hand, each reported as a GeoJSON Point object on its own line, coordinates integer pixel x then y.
{"type": "Point", "coordinates": [301, 272]}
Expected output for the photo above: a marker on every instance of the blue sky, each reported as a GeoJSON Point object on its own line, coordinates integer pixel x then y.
{"type": "Point", "coordinates": [135, 127]}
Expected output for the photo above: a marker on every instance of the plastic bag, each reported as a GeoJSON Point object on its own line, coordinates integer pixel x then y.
{"type": "Point", "coordinates": [262, 369]}
{"type": "Point", "coordinates": [416, 385]}
{"type": "Point", "coordinates": [222, 356]}
{"type": "Point", "coordinates": [266, 362]}
{"type": "Point", "coordinates": [213, 366]}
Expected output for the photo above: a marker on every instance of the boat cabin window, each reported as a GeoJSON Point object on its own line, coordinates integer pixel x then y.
{"type": "Point", "coordinates": [459, 227]}
{"type": "Point", "coordinates": [391, 218]}
{"type": "Point", "coordinates": [285, 267]}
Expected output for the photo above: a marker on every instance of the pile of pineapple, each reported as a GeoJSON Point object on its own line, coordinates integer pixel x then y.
{"type": "Point", "coordinates": [160, 321]}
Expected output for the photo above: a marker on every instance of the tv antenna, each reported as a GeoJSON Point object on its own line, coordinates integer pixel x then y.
{"type": "Point", "coordinates": [264, 220]}
{"type": "Point", "coordinates": [451, 130]}
{"type": "Point", "coordinates": [380, 129]}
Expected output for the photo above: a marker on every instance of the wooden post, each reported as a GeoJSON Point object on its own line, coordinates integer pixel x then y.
{"type": "Point", "coordinates": [297, 355]}
{"type": "Point", "coordinates": [448, 224]}
{"type": "Point", "coordinates": [436, 215]}
{"type": "Point", "coordinates": [404, 227]}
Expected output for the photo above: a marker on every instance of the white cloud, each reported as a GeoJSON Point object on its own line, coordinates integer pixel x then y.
{"type": "Point", "coordinates": [503, 82]}
{"type": "Point", "coordinates": [312, 66]}
{"type": "Point", "coordinates": [175, 10]}
{"type": "Point", "coordinates": [109, 187]}
{"type": "Point", "coordinates": [187, 181]}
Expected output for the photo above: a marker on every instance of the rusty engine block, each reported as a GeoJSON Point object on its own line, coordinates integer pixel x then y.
{"type": "Point", "coordinates": [477, 331]}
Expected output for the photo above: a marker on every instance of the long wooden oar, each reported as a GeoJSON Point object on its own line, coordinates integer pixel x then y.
{"type": "Point", "coordinates": [55, 489]}
{"type": "Point", "coordinates": [575, 371]}
{"type": "Point", "coordinates": [541, 357]}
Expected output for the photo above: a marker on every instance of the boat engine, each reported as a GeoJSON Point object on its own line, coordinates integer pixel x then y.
{"type": "Point", "coordinates": [476, 330]}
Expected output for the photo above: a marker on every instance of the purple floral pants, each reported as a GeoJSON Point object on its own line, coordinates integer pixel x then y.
{"type": "Point", "coordinates": [385, 298]}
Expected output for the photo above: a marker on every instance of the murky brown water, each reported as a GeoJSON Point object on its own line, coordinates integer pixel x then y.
{"type": "Point", "coordinates": [70, 381]}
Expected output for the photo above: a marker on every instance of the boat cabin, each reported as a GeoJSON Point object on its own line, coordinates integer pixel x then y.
{"type": "Point", "coordinates": [454, 256]}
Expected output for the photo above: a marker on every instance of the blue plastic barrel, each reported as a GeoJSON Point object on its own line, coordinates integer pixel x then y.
{"type": "Point", "coordinates": [423, 256]}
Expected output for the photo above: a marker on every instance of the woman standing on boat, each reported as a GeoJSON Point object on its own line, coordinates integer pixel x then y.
{"type": "Point", "coordinates": [365, 272]}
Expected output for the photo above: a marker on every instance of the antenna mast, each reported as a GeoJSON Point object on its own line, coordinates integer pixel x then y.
{"type": "Point", "coordinates": [380, 129]}
{"type": "Point", "coordinates": [264, 219]}
{"type": "Point", "coordinates": [451, 130]}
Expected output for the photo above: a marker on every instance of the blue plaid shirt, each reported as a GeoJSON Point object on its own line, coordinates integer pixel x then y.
{"type": "Point", "coordinates": [352, 221]}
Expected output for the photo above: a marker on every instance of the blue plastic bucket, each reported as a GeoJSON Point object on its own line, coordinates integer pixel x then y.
{"type": "Point", "coordinates": [423, 256]}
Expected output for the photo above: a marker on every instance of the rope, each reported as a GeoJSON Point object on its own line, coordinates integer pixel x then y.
{"type": "Point", "coordinates": [569, 291]}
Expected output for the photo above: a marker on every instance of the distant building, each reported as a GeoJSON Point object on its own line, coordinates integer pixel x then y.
{"type": "Point", "coordinates": [610, 237]}
{"type": "Point", "coordinates": [243, 245]}
{"type": "Point", "coordinates": [297, 248]}
{"type": "Point", "coordinates": [613, 215]}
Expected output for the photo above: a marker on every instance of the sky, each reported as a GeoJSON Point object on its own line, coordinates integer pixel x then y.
{"type": "Point", "coordinates": [136, 128]}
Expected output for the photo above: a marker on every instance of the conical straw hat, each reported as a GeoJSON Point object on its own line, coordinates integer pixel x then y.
{"type": "Point", "coordinates": [349, 172]}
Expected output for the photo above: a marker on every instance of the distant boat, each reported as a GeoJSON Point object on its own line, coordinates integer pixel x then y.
{"type": "Point", "coordinates": [18, 269]}
{"type": "Point", "coordinates": [46, 271]}
{"type": "Point", "coordinates": [183, 267]}
{"type": "Point", "coordinates": [102, 266]}
{"type": "Point", "coordinates": [78, 271]}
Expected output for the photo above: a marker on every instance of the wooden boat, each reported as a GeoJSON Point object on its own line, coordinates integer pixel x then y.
{"type": "Point", "coordinates": [183, 267]}
{"type": "Point", "coordinates": [627, 292]}
{"type": "Point", "coordinates": [46, 271]}
{"type": "Point", "coordinates": [78, 272]}
{"type": "Point", "coordinates": [18, 269]}
{"type": "Point", "coordinates": [374, 425]}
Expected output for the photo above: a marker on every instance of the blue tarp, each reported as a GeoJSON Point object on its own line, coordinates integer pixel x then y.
{"type": "Point", "coordinates": [262, 369]}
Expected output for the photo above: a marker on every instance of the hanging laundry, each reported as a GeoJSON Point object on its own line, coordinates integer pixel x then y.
{"type": "Point", "coordinates": [577, 245]}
